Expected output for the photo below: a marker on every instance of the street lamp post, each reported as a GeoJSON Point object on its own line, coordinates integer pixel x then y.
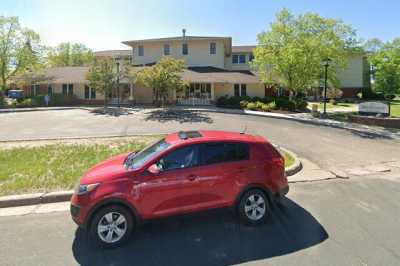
{"type": "Point", "coordinates": [118, 85]}
{"type": "Point", "coordinates": [326, 63]}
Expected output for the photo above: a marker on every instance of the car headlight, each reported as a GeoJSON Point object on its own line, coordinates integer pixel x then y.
{"type": "Point", "coordinates": [83, 189]}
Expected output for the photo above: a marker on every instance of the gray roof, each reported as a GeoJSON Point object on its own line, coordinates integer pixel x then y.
{"type": "Point", "coordinates": [243, 48]}
{"type": "Point", "coordinates": [191, 74]}
{"type": "Point", "coordinates": [113, 53]}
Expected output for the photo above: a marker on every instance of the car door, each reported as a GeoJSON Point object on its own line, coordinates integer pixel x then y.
{"type": "Point", "coordinates": [175, 189]}
{"type": "Point", "coordinates": [224, 166]}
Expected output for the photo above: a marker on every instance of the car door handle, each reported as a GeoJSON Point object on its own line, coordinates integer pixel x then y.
{"type": "Point", "coordinates": [191, 177]}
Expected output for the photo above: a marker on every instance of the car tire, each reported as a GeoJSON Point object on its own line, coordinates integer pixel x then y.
{"type": "Point", "coordinates": [111, 226]}
{"type": "Point", "coordinates": [254, 207]}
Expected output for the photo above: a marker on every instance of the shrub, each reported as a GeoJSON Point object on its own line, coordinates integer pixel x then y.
{"type": "Point", "coordinates": [285, 104]}
{"type": "Point", "coordinates": [300, 104]}
{"type": "Point", "coordinates": [243, 103]}
{"type": "Point", "coordinates": [39, 100]}
{"type": "Point", "coordinates": [62, 100]}
{"type": "Point", "coordinates": [2, 102]}
{"type": "Point", "coordinates": [251, 106]}
{"type": "Point", "coordinates": [332, 101]}
{"type": "Point", "coordinates": [265, 107]}
{"type": "Point", "coordinates": [390, 96]}
{"type": "Point", "coordinates": [272, 105]}
{"type": "Point", "coordinates": [259, 104]}
{"type": "Point", "coordinates": [334, 93]}
{"type": "Point", "coordinates": [28, 102]}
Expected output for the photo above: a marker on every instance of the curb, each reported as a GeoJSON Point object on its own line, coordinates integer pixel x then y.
{"type": "Point", "coordinates": [33, 199]}
{"type": "Point", "coordinates": [60, 196]}
{"type": "Point", "coordinates": [297, 165]}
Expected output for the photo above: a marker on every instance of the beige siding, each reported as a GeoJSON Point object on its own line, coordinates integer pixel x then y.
{"type": "Point", "coordinates": [353, 75]}
{"type": "Point", "coordinates": [143, 94]}
{"type": "Point", "coordinates": [79, 91]}
{"type": "Point", "coordinates": [223, 89]}
{"type": "Point", "coordinates": [230, 66]}
{"type": "Point", "coordinates": [199, 53]}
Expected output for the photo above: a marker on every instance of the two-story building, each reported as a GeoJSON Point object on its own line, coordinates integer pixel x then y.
{"type": "Point", "coordinates": [215, 68]}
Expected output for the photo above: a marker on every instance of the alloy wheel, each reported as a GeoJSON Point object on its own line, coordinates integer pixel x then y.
{"type": "Point", "coordinates": [112, 227]}
{"type": "Point", "coordinates": [255, 207]}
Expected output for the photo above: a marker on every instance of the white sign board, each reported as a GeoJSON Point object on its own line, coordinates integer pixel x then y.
{"type": "Point", "coordinates": [373, 107]}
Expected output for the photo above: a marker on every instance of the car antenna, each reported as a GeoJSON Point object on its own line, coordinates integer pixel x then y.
{"type": "Point", "coordinates": [244, 130]}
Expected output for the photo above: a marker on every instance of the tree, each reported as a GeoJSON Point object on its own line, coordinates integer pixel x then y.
{"type": "Point", "coordinates": [385, 59]}
{"type": "Point", "coordinates": [164, 78]}
{"type": "Point", "coordinates": [20, 50]}
{"type": "Point", "coordinates": [103, 75]}
{"type": "Point", "coordinates": [68, 54]}
{"type": "Point", "coordinates": [291, 52]}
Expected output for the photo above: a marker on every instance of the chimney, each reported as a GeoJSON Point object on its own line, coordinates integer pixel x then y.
{"type": "Point", "coordinates": [183, 33]}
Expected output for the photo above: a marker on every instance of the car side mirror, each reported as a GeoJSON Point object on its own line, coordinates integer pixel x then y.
{"type": "Point", "coordinates": [154, 169]}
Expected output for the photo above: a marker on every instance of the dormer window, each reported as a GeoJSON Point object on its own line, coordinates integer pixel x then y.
{"type": "Point", "coordinates": [167, 49]}
{"type": "Point", "coordinates": [213, 48]}
{"type": "Point", "coordinates": [140, 50]}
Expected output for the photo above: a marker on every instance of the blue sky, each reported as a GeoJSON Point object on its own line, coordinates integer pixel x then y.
{"type": "Point", "coordinates": [103, 24]}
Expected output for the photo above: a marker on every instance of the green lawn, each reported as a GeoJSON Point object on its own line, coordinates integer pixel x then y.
{"type": "Point", "coordinates": [53, 167]}
{"type": "Point", "coordinates": [59, 166]}
{"type": "Point", "coordinates": [395, 108]}
{"type": "Point", "coordinates": [289, 160]}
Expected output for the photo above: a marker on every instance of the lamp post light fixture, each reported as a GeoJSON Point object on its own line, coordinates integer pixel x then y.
{"type": "Point", "coordinates": [326, 62]}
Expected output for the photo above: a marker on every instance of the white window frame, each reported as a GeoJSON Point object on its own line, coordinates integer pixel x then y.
{"type": "Point", "coordinates": [238, 59]}
{"type": "Point", "coordinates": [215, 48]}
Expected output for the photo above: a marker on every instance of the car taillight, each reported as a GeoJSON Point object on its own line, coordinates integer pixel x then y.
{"type": "Point", "coordinates": [277, 157]}
{"type": "Point", "coordinates": [279, 161]}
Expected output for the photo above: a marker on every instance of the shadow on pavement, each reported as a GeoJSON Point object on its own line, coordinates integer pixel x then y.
{"type": "Point", "coordinates": [181, 116]}
{"type": "Point", "coordinates": [212, 238]}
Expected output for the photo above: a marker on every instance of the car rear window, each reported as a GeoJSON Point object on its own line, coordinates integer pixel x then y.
{"type": "Point", "coordinates": [224, 152]}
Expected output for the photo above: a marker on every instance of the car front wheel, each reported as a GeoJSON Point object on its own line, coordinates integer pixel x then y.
{"type": "Point", "coordinates": [111, 226]}
{"type": "Point", "coordinates": [253, 207]}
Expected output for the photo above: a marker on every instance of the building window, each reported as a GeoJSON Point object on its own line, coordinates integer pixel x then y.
{"type": "Point", "coordinates": [185, 49]}
{"type": "Point", "coordinates": [240, 90]}
{"type": "Point", "coordinates": [213, 48]}
{"type": "Point", "coordinates": [68, 89]}
{"type": "Point", "coordinates": [92, 93]}
{"type": "Point", "coordinates": [237, 90]}
{"type": "Point", "coordinates": [167, 49]}
{"type": "Point", "coordinates": [65, 89]}
{"type": "Point", "coordinates": [87, 92]}
{"type": "Point", "coordinates": [34, 89]}
{"type": "Point", "coordinates": [71, 89]}
{"type": "Point", "coordinates": [140, 50]}
{"type": "Point", "coordinates": [238, 59]}
{"type": "Point", "coordinates": [251, 57]}
{"type": "Point", "coordinates": [243, 90]}
{"type": "Point", "coordinates": [49, 90]}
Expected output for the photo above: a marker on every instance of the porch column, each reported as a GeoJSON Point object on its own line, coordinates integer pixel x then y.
{"type": "Point", "coordinates": [212, 92]}
{"type": "Point", "coordinates": [130, 92]}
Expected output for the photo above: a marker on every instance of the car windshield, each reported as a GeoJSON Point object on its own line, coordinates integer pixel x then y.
{"type": "Point", "coordinates": [137, 160]}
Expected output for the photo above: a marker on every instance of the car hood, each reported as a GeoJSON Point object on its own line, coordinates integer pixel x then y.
{"type": "Point", "coordinates": [109, 169]}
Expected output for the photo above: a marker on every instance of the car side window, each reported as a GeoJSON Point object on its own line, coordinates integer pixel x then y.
{"type": "Point", "coordinates": [180, 158]}
{"type": "Point", "coordinates": [224, 152]}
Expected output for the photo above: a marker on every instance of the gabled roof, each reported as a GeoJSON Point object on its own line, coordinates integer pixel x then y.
{"type": "Point", "coordinates": [67, 74]}
{"type": "Point", "coordinates": [243, 48]}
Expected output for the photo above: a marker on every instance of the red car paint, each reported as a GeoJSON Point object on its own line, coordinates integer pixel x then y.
{"type": "Point", "coordinates": [184, 190]}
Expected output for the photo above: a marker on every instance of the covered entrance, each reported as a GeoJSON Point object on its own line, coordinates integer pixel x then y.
{"type": "Point", "coordinates": [196, 94]}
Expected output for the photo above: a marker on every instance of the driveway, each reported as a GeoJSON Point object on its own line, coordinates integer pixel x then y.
{"type": "Point", "coordinates": [325, 146]}
{"type": "Point", "coordinates": [339, 222]}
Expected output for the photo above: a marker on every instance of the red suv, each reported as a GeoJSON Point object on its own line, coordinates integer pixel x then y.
{"type": "Point", "coordinates": [182, 173]}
